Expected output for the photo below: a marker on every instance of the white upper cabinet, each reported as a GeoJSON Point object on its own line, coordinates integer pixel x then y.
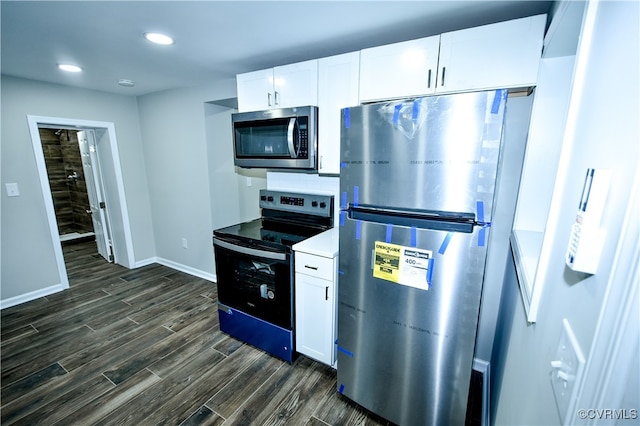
{"type": "Point", "coordinates": [337, 88]}
{"type": "Point", "coordinates": [502, 55]}
{"type": "Point", "coordinates": [399, 70]}
{"type": "Point", "coordinates": [280, 87]}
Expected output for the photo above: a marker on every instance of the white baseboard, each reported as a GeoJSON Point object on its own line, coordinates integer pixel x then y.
{"type": "Point", "coordinates": [187, 269]}
{"type": "Point", "coordinates": [27, 297]}
{"type": "Point", "coordinates": [145, 262]}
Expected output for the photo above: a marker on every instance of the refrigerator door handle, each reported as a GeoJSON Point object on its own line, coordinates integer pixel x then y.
{"type": "Point", "coordinates": [441, 221]}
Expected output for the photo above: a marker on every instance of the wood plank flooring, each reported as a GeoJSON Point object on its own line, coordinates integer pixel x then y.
{"type": "Point", "coordinates": [143, 347]}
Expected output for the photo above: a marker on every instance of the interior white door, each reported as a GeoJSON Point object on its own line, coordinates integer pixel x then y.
{"type": "Point", "coordinates": [90, 166]}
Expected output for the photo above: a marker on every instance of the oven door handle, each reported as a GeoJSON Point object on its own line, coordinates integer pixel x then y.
{"type": "Point", "coordinates": [250, 251]}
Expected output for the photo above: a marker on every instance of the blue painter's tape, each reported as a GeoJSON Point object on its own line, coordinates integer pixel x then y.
{"type": "Point", "coordinates": [430, 271]}
{"type": "Point", "coordinates": [344, 351]}
{"type": "Point", "coordinates": [358, 229]}
{"type": "Point", "coordinates": [343, 215]}
{"type": "Point", "coordinates": [445, 243]}
{"type": "Point", "coordinates": [480, 211]}
{"type": "Point", "coordinates": [343, 200]}
{"type": "Point", "coordinates": [415, 112]}
{"type": "Point", "coordinates": [497, 100]}
{"type": "Point", "coordinates": [347, 118]}
{"type": "Point", "coordinates": [341, 388]}
{"type": "Point", "coordinates": [343, 165]}
{"type": "Point", "coordinates": [396, 114]}
{"type": "Point", "coordinates": [414, 236]}
{"type": "Point", "coordinates": [341, 272]}
{"type": "Point", "coordinates": [389, 231]}
{"type": "Point", "coordinates": [356, 195]}
{"type": "Point", "coordinates": [482, 235]}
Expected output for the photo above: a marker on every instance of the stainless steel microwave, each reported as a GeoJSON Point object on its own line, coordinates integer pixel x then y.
{"type": "Point", "coordinates": [284, 138]}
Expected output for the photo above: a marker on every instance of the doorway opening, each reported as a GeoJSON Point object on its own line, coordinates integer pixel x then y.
{"type": "Point", "coordinates": [109, 212]}
{"type": "Point", "coordinates": [77, 189]}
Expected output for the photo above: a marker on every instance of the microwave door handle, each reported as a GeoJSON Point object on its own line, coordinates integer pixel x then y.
{"type": "Point", "coordinates": [290, 130]}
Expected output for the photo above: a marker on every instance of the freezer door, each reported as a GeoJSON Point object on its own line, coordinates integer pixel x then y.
{"type": "Point", "coordinates": [407, 315]}
{"type": "Point", "coordinates": [432, 153]}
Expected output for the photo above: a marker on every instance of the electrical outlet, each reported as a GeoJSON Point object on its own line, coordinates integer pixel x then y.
{"type": "Point", "coordinates": [566, 373]}
{"type": "Point", "coordinates": [184, 243]}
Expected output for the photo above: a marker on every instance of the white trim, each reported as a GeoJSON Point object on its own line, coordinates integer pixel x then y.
{"type": "Point", "coordinates": [145, 262]}
{"type": "Point", "coordinates": [187, 269]}
{"type": "Point", "coordinates": [615, 344]}
{"type": "Point", "coordinates": [484, 367]}
{"type": "Point", "coordinates": [40, 121]}
{"type": "Point", "coordinates": [48, 206]}
{"type": "Point", "coordinates": [27, 297]}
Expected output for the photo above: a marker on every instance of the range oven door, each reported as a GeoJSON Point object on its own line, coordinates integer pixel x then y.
{"type": "Point", "coordinates": [255, 280]}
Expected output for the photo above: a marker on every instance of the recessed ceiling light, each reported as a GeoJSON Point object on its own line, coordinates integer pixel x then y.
{"type": "Point", "coordinates": [126, 82]}
{"type": "Point", "coordinates": [158, 38]}
{"type": "Point", "coordinates": [69, 67]}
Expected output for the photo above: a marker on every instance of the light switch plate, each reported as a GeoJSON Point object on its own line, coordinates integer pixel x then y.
{"type": "Point", "coordinates": [566, 373]}
{"type": "Point", "coordinates": [12, 190]}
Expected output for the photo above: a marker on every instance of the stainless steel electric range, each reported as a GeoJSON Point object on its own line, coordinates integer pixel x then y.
{"type": "Point", "coordinates": [255, 270]}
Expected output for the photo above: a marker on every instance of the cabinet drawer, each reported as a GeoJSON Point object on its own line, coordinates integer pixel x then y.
{"type": "Point", "coordinates": [316, 266]}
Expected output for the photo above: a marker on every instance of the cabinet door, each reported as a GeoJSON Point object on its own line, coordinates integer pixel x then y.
{"type": "Point", "coordinates": [296, 84]}
{"type": "Point", "coordinates": [338, 78]}
{"type": "Point", "coordinates": [399, 70]}
{"type": "Point", "coordinates": [502, 55]}
{"type": "Point", "coordinates": [314, 318]}
{"type": "Point", "coordinates": [255, 90]}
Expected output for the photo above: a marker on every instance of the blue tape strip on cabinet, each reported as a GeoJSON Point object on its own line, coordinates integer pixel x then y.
{"type": "Point", "coordinates": [343, 200]}
{"type": "Point", "coordinates": [343, 214]}
{"type": "Point", "coordinates": [414, 236]}
{"type": "Point", "coordinates": [347, 118]}
{"type": "Point", "coordinates": [415, 113]}
{"type": "Point", "coordinates": [497, 100]}
{"type": "Point", "coordinates": [341, 388]}
{"type": "Point", "coordinates": [358, 229]}
{"type": "Point", "coordinates": [343, 165]}
{"type": "Point", "coordinates": [480, 211]}
{"type": "Point", "coordinates": [340, 272]}
{"type": "Point", "coordinates": [396, 115]}
{"type": "Point", "coordinates": [445, 243]}
{"type": "Point", "coordinates": [356, 195]}
{"type": "Point", "coordinates": [430, 271]}
{"type": "Point", "coordinates": [344, 351]}
{"type": "Point", "coordinates": [389, 231]}
{"type": "Point", "coordinates": [482, 235]}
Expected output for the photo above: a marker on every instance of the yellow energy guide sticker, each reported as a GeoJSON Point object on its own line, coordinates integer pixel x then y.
{"type": "Point", "coordinates": [402, 265]}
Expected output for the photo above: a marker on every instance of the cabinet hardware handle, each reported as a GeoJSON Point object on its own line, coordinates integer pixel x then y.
{"type": "Point", "coordinates": [269, 99]}
{"type": "Point", "coordinates": [275, 97]}
{"type": "Point", "coordinates": [429, 79]}
{"type": "Point", "coordinates": [443, 71]}
{"type": "Point", "coordinates": [315, 268]}
{"type": "Point", "coordinates": [326, 293]}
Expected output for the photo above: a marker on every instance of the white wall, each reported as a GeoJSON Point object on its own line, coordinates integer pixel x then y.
{"type": "Point", "coordinates": [28, 259]}
{"type": "Point", "coordinates": [606, 136]}
{"type": "Point", "coordinates": [177, 126]}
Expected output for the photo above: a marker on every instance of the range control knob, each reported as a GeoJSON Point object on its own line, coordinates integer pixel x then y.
{"type": "Point", "coordinates": [269, 198]}
{"type": "Point", "coordinates": [323, 205]}
{"type": "Point", "coordinates": [263, 198]}
{"type": "Point", "coordinates": [314, 204]}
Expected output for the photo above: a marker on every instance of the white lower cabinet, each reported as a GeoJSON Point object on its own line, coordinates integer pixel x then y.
{"type": "Point", "coordinates": [315, 306]}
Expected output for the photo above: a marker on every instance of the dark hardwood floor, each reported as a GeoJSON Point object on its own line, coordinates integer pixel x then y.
{"type": "Point", "coordinates": [143, 347]}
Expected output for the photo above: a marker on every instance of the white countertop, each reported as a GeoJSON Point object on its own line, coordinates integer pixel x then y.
{"type": "Point", "coordinates": [324, 244]}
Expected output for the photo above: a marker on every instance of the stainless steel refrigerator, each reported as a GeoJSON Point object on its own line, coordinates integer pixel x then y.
{"type": "Point", "coordinates": [417, 184]}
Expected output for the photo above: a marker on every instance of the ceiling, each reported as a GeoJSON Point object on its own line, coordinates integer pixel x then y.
{"type": "Point", "coordinates": [214, 39]}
